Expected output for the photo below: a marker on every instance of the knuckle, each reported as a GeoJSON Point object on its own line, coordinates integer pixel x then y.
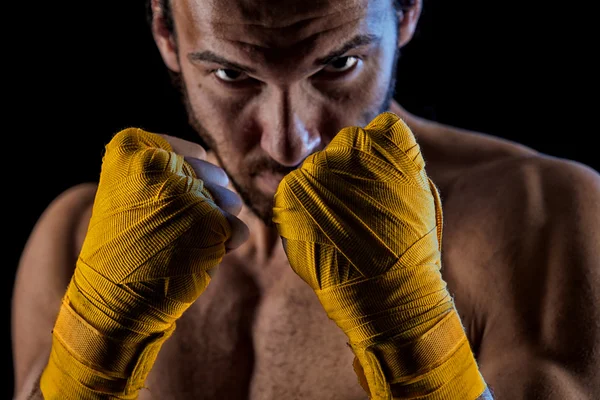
{"type": "Point", "coordinates": [200, 152]}
{"type": "Point", "coordinates": [185, 147]}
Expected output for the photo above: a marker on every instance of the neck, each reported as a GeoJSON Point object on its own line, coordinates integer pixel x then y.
{"type": "Point", "coordinates": [264, 240]}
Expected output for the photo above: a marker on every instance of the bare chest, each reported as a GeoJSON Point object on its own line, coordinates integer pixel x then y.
{"type": "Point", "coordinates": [244, 340]}
{"type": "Point", "coordinates": [300, 352]}
{"type": "Point", "coordinates": [239, 342]}
{"type": "Point", "coordinates": [260, 333]}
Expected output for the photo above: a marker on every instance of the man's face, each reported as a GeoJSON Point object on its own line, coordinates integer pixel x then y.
{"type": "Point", "coordinates": [268, 82]}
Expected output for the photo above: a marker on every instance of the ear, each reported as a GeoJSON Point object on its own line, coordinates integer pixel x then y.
{"type": "Point", "coordinates": [165, 40]}
{"type": "Point", "coordinates": [408, 16]}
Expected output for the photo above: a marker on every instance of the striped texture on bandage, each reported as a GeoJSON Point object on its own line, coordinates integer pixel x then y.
{"type": "Point", "coordinates": [362, 225]}
{"type": "Point", "coordinates": [154, 233]}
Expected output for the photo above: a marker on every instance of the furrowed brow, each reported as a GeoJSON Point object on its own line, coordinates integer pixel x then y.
{"type": "Point", "coordinates": [209, 56]}
{"type": "Point", "coordinates": [356, 41]}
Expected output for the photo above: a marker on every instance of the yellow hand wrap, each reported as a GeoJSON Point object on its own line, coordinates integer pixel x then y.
{"type": "Point", "coordinates": [154, 232]}
{"type": "Point", "coordinates": [362, 224]}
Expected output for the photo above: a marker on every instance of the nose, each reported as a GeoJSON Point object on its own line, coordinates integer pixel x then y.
{"type": "Point", "coordinates": [288, 135]}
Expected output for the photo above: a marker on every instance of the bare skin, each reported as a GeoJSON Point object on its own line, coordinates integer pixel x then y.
{"type": "Point", "coordinates": [511, 260]}
{"type": "Point", "coordinates": [520, 255]}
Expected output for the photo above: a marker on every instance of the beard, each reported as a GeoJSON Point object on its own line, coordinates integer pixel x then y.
{"type": "Point", "coordinates": [258, 202]}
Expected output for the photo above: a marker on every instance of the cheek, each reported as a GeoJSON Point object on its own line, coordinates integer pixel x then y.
{"type": "Point", "coordinates": [380, 73]}
{"type": "Point", "coordinates": [351, 103]}
{"type": "Point", "coordinates": [219, 116]}
{"type": "Point", "coordinates": [369, 87]}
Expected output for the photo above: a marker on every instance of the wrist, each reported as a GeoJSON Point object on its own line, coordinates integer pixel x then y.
{"type": "Point", "coordinates": [438, 365]}
{"type": "Point", "coordinates": [86, 364]}
{"type": "Point", "coordinates": [97, 352]}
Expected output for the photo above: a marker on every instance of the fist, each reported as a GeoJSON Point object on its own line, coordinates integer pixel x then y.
{"type": "Point", "coordinates": [162, 219]}
{"type": "Point", "coordinates": [362, 225]}
{"type": "Point", "coordinates": [360, 208]}
{"type": "Point", "coordinates": [216, 183]}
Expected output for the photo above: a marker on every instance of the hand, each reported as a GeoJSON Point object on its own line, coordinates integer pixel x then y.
{"type": "Point", "coordinates": [161, 220]}
{"type": "Point", "coordinates": [362, 225]}
{"type": "Point", "coordinates": [160, 200]}
{"type": "Point", "coordinates": [216, 181]}
{"type": "Point", "coordinates": [362, 205]}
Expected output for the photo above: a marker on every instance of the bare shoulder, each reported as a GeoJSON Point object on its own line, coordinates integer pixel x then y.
{"type": "Point", "coordinates": [64, 220]}
{"type": "Point", "coordinates": [529, 191]}
{"type": "Point", "coordinates": [480, 172]}
{"type": "Point", "coordinates": [521, 247]}
{"type": "Point", "coordinates": [525, 229]}
{"type": "Point", "coordinates": [44, 271]}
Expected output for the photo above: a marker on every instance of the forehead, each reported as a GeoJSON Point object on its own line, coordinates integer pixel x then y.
{"type": "Point", "coordinates": [276, 23]}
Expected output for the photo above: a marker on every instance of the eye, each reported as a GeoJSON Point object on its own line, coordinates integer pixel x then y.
{"type": "Point", "coordinates": [230, 75]}
{"type": "Point", "coordinates": [342, 64]}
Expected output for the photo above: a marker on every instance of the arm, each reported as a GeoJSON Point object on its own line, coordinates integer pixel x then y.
{"type": "Point", "coordinates": [43, 273]}
{"type": "Point", "coordinates": [361, 224]}
{"type": "Point", "coordinates": [546, 350]}
{"type": "Point", "coordinates": [129, 284]}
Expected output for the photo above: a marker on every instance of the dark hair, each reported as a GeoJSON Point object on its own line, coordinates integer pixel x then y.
{"type": "Point", "coordinates": [165, 5]}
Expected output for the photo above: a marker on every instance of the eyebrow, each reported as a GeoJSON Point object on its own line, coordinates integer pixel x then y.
{"type": "Point", "coordinates": [209, 56]}
{"type": "Point", "coordinates": [356, 41]}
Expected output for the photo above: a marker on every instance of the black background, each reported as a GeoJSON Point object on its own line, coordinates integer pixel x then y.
{"type": "Point", "coordinates": [77, 72]}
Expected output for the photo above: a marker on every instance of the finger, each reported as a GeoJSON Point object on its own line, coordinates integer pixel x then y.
{"type": "Point", "coordinates": [225, 198]}
{"type": "Point", "coordinates": [208, 172]}
{"type": "Point", "coordinates": [239, 232]}
{"type": "Point", "coordinates": [185, 148]}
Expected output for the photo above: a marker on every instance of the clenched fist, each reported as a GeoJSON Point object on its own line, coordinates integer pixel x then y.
{"type": "Point", "coordinates": [362, 225]}
{"type": "Point", "coordinates": [162, 219]}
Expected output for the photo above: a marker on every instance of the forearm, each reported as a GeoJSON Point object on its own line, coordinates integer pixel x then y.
{"type": "Point", "coordinates": [30, 389]}
{"type": "Point", "coordinates": [373, 248]}
{"type": "Point", "coordinates": [33, 393]}
{"type": "Point", "coordinates": [486, 395]}
{"type": "Point", "coordinates": [153, 235]}
{"type": "Point", "coordinates": [435, 364]}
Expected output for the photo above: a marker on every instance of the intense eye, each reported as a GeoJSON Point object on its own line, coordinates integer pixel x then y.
{"type": "Point", "coordinates": [342, 64]}
{"type": "Point", "coordinates": [230, 75]}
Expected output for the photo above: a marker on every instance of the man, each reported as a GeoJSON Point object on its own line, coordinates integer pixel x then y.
{"type": "Point", "coordinates": [267, 84]}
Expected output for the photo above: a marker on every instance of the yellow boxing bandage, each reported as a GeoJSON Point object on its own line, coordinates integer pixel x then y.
{"type": "Point", "coordinates": [154, 232]}
{"type": "Point", "coordinates": [362, 225]}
